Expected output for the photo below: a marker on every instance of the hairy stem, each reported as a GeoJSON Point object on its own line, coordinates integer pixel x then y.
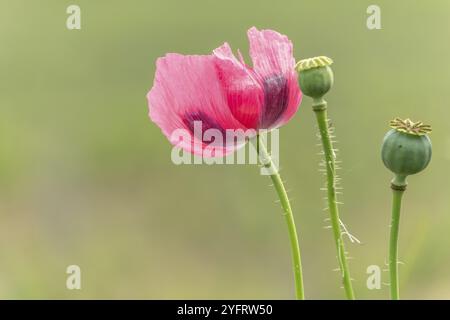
{"type": "Point", "coordinates": [267, 162]}
{"type": "Point", "coordinates": [397, 194]}
{"type": "Point", "coordinates": [320, 109]}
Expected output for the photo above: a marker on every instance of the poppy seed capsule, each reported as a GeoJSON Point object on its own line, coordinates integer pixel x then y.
{"type": "Point", "coordinates": [406, 148]}
{"type": "Point", "coordinates": [315, 76]}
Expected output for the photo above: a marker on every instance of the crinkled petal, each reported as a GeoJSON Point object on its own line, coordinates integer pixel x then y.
{"type": "Point", "coordinates": [186, 92]}
{"type": "Point", "coordinates": [273, 62]}
{"type": "Point", "coordinates": [243, 92]}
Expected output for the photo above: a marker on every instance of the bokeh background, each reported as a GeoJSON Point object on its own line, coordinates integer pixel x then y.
{"type": "Point", "coordinates": [86, 178]}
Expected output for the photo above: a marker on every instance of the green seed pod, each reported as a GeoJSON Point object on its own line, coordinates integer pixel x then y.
{"type": "Point", "coordinates": [315, 76]}
{"type": "Point", "coordinates": [406, 148]}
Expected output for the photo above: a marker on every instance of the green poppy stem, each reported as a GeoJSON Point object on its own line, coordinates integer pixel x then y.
{"type": "Point", "coordinates": [267, 162]}
{"type": "Point", "coordinates": [320, 109]}
{"type": "Point", "coordinates": [397, 193]}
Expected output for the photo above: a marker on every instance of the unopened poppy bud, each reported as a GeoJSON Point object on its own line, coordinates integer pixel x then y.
{"type": "Point", "coordinates": [315, 76]}
{"type": "Point", "coordinates": [406, 149]}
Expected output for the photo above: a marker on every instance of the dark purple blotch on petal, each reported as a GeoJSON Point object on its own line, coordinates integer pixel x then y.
{"type": "Point", "coordinates": [276, 96]}
{"type": "Point", "coordinates": [207, 123]}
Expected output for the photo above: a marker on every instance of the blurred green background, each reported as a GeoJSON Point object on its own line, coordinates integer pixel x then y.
{"type": "Point", "coordinates": [86, 178]}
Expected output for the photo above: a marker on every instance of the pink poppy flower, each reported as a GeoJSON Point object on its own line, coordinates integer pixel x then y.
{"type": "Point", "coordinates": [221, 92]}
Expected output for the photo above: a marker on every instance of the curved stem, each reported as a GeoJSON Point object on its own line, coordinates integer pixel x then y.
{"type": "Point", "coordinates": [393, 241]}
{"type": "Point", "coordinates": [320, 110]}
{"type": "Point", "coordinates": [267, 162]}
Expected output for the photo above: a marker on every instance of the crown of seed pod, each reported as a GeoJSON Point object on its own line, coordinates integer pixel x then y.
{"type": "Point", "coordinates": [406, 148]}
